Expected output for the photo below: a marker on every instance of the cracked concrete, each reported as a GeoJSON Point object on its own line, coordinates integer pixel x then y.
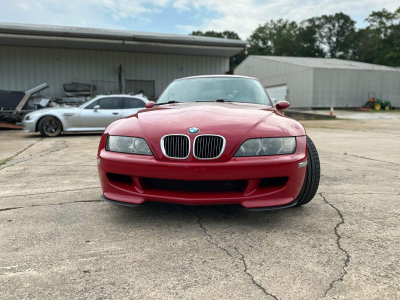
{"type": "Point", "coordinates": [338, 242]}
{"type": "Point", "coordinates": [58, 241]}
{"type": "Point", "coordinates": [42, 205]}
{"type": "Point", "coordinates": [56, 146]}
{"type": "Point", "coordinates": [242, 258]}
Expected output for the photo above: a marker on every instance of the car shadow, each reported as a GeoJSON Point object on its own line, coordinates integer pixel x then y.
{"type": "Point", "coordinates": [152, 214]}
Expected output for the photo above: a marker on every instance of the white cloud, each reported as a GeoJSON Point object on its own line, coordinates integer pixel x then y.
{"type": "Point", "coordinates": [87, 13]}
{"type": "Point", "coordinates": [241, 16]}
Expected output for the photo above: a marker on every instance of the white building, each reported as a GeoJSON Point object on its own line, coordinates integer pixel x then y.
{"type": "Point", "coordinates": [322, 82]}
{"type": "Point", "coordinates": [31, 54]}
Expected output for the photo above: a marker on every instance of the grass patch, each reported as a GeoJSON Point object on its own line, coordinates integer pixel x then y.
{"type": "Point", "coordinates": [6, 160]}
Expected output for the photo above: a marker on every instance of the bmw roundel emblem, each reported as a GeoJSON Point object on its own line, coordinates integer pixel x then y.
{"type": "Point", "coordinates": [193, 130]}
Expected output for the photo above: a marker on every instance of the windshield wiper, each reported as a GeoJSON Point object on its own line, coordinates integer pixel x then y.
{"type": "Point", "coordinates": [218, 100]}
{"type": "Point", "coordinates": [169, 102]}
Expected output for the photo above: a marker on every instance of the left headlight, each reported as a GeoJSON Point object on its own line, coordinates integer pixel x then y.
{"type": "Point", "coordinates": [126, 144]}
{"type": "Point", "coordinates": [267, 146]}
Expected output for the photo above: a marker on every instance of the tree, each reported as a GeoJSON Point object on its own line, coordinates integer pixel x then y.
{"type": "Point", "coordinates": [308, 42]}
{"type": "Point", "coordinates": [285, 38]}
{"type": "Point", "coordinates": [335, 33]}
{"type": "Point", "coordinates": [379, 42]}
{"type": "Point", "coordinates": [233, 61]}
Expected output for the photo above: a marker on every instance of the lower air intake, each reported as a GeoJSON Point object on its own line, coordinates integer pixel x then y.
{"type": "Point", "coordinates": [196, 185]}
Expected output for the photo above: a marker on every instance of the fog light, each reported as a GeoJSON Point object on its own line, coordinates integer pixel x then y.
{"type": "Point", "coordinates": [303, 164]}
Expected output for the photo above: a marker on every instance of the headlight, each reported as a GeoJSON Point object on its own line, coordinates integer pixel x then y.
{"type": "Point", "coordinates": [127, 144]}
{"type": "Point", "coordinates": [27, 118]}
{"type": "Point", "coordinates": [267, 146]}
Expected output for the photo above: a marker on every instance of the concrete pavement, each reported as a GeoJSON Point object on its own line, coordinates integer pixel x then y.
{"type": "Point", "coordinates": [58, 241]}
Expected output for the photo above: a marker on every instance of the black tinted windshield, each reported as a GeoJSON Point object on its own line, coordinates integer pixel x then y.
{"type": "Point", "coordinates": [215, 88]}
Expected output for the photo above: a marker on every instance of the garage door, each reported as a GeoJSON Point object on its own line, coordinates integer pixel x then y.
{"type": "Point", "coordinates": [279, 93]}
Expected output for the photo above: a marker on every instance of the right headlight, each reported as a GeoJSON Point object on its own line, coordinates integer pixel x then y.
{"type": "Point", "coordinates": [267, 146]}
{"type": "Point", "coordinates": [126, 144]}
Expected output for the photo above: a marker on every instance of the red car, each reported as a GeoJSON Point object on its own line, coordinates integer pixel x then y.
{"type": "Point", "coordinates": [209, 140]}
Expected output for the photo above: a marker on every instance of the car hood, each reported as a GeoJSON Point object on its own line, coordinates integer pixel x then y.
{"type": "Point", "coordinates": [236, 122]}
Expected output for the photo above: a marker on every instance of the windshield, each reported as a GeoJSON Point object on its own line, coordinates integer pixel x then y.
{"type": "Point", "coordinates": [215, 88]}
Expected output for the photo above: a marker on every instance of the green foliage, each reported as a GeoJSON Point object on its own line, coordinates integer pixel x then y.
{"type": "Point", "coordinates": [335, 33]}
{"type": "Point", "coordinates": [333, 36]}
{"type": "Point", "coordinates": [285, 38]}
{"type": "Point", "coordinates": [235, 60]}
{"type": "Point", "coordinates": [379, 43]}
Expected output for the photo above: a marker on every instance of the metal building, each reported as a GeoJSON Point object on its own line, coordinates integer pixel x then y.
{"type": "Point", "coordinates": [322, 82]}
{"type": "Point", "coordinates": [127, 61]}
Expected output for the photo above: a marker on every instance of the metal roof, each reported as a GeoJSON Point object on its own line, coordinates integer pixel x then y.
{"type": "Point", "coordinates": [327, 63]}
{"type": "Point", "coordinates": [14, 34]}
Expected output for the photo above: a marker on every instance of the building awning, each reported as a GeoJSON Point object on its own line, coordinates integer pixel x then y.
{"type": "Point", "coordinates": [12, 34]}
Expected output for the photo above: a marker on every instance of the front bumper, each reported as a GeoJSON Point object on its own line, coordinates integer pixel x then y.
{"type": "Point", "coordinates": [251, 169]}
{"type": "Point", "coordinates": [29, 126]}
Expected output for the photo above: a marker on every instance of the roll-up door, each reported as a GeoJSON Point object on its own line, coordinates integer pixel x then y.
{"type": "Point", "coordinates": [277, 93]}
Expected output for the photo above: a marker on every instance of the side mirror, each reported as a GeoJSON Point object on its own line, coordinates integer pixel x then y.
{"type": "Point", "coordinates": [96, 107]}
{"type": "Point", "coordinates": [150, 104]}
{"type": "Point", "coordinates": [281, 105]}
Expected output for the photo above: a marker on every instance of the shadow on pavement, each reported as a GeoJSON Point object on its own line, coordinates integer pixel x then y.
{"type": "Point", "coordinates": [152, 213]}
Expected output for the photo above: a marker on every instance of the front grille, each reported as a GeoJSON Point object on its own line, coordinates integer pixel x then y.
{"type": "Point", "coordinates": [175, 146]}
{"type": "Point", "coordinates": [196, 185]}
{"type": "Point", "coordinates": [208, 146]}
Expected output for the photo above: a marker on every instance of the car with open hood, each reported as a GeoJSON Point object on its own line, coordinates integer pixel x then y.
{"type": "Point", "coordinates": [93, 115]}
{"type": "Point", "coordinates": [209, 140]}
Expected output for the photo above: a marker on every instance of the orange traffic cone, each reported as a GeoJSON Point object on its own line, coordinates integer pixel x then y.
{"type": "Point", "coordinates": [331, 111]}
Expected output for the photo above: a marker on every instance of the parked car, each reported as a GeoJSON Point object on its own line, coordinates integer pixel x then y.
{"type": "Point", "coordinates": [209, 140]}
{"type": "Point", "coordinates": [94, 115]}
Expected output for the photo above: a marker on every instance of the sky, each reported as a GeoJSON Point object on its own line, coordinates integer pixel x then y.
{"type": "Point", "coordinates": [181, 16]}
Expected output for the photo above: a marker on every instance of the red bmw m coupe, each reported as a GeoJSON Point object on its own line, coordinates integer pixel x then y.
{"type": "Point", "coordinates": [209, 140]}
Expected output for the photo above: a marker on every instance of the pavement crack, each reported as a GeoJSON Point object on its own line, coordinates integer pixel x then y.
{"type": "Point", "coordinates": [352, 194]}
{"type": "Point", "coordinates": [209, 236]}
{"type": "Point", "coordinates": [339, 245]}
{"type": "Point", "coordinates": [246, 270]}
{"type": "Point", "coordinates": [10, 208]}
{"type": "Point", "coordinates": [53, 192]}
{"type": "Point", "coordinates": [4, 162]}
{"type": "Point", "coordinates": [378, 160]}
{"type": "Point", "coordinates": [58, 145]}
{"type": "Point", "coordinates": [211, 240]}
{"type": "Point", "coordinates": [51, 204]}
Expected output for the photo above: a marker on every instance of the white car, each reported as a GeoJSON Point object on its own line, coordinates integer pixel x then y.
{"type": "Point", "coordinates": [94, 115]}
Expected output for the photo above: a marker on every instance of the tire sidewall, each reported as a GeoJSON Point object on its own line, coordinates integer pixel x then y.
{"type": "Point", "coordinates": [42, 129]}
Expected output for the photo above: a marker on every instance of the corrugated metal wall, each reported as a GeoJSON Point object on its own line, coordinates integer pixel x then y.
{"type": "Point", "coordinates": [342, 88]}
{"type": "Point", "coordinates": [299, 80]}
{"type": "Point", "coordinates": [25, 67]}
{"type": "Point", "coordinates": [318, 87]}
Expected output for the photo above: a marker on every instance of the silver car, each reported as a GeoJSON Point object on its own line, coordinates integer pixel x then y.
{"type": "Point", "coordinates": [94, 115]}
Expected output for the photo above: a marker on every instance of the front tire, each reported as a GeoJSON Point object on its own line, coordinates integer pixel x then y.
{"type": "Point", "coordinates": [50, 126]}
{"type": "Point", "coordinates": [313, 174]}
